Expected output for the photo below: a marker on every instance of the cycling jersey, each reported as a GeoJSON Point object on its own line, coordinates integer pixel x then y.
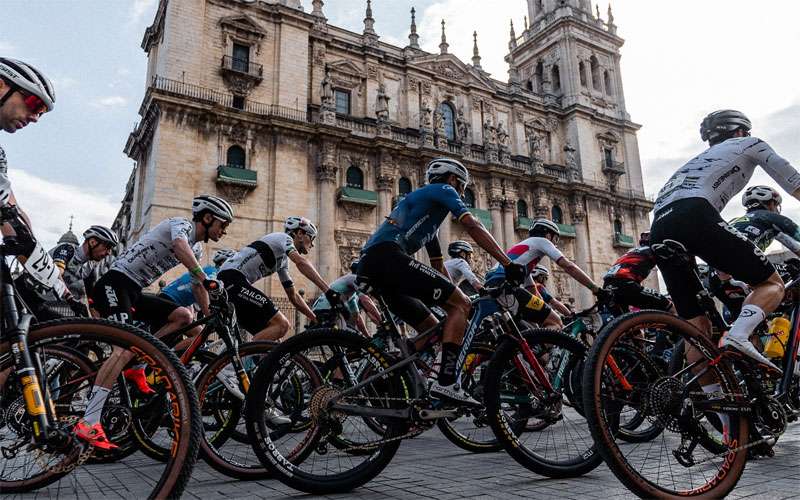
{"type": "Point", "coordinates": [459, 270]}
{"type": "Point", "coordinates": [634, 265]}
{"type": "Point", "coordinates": [263, 257]}
{"type": "Point", "coordinates": [153, 255]}
{"type": "Point", "coordinates": [5, 184]}
{"type": "Point", "coordinates": [527, 252]}
{"type": "Point", "coordinates": [75, 265]}
{"type": "Point", "coordinates": [416, 219]}
{"type": "Point", "coordinates": [762, 226]}
{"type": "Point", "coordinates": [180, 290]}
{"type": "Point", "coordinates": [721, 171]}
{"type": "Point", "coordinates": [347, 289]}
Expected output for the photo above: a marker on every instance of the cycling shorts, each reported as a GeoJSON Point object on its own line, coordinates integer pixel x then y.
{"type": "Point", "coordinates": [408, 286]}
{"type": "Point", "coordinates": [254, 310]}
{"type": "Point", "coordinates": [115, 296]}
{"type": "Point", "coordinates": [630, 293]}
{"type": "Point", "coordinates": [699, 227]}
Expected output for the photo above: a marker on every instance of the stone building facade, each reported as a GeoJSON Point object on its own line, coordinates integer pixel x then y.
{"type": "Point", "coordinates": [269, 105]}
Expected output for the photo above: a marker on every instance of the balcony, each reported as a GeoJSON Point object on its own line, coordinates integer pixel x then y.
{"type": "Point", "coordinates": [242, 67]}
{"type": "Point", "coordinates": [567, 230]}
{"type": "Point", "coordinates": [622, 240]}
{"type": "Point", "coordinates": [357, 196]}
{"type": "Point", "coordinates": [484, 216]}
{"type": "Point", "coordinates": [613, 167]}
{"type": "Point", "coordinates": [523, 223]}
{"type": "Point", "coordinates": [237, 176]}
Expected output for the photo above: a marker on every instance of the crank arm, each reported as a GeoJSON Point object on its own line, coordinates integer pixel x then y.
{"type": "Point", "coordinates": [363, 411]}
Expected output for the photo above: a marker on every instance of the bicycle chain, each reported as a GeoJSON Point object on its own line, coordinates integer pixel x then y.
{"type": "Point", "coordinates": [738, 449]}
{"type": "Point", "coordinates": [85, 455]}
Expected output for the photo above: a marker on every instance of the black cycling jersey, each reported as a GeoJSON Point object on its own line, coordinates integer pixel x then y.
{"type": "Point", "coordinates": [762, 226]}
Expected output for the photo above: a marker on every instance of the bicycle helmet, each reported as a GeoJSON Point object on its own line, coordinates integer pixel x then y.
{"type": "Point", "coordinates": [540, 271]}
{"type": "Point", "coordinates": [644, 239]}
{"type": "Point", "coordinates": [102, 234]}
{"type": "Point", "coordinates": [456, 247]}
{"type": "Point", "coordinates": [221, 255]}
{"type": "Point", "coordinates": [215, 205]}
{"type": "Point", "coordinates": [354, 266]}
{"type": "Point", "coordinates": [759, 196]}
{"type": "Point", "coordinates": [540, 227]}
{"type": "Point", "coordinates": [23, 76]}
{"type": "Point", "coordinates": [717, 126]}
{"type": "Point", "coordinates": [295, 222]}
{"type": "Point", "coordinates": [441, 167]}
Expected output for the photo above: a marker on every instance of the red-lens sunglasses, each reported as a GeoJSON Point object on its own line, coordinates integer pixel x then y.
{"type": "Point", "coordinates": [34, 104]}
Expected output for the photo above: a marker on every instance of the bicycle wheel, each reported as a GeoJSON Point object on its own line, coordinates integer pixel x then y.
{"type": "Point", "coordinates": [308, 460]}
{"type": "Point", "coordinates": [471, 431]}
{"type": "Point", "coordinates": [558, 444]}
{"type": "Point", "coordinates": [672, 465]}
{"type": "Point", "coordinates": [635, 426]}
{"type": "Point", "coordinates": [46, 468]}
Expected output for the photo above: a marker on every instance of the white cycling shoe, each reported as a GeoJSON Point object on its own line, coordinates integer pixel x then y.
{"type": "Point", "coordinates": [273, 415]}
{"type": "Point", "coordinates": [747, 348]}
{"type": "Point", "coordinates": [231, 382]}
{"type": "Point", "coordinates": [453, 393]}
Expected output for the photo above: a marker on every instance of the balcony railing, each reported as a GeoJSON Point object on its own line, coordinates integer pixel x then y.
{"type": "Point", "coordinates": [613, 166]}
{"type": "Point", "coordinates": [243, 66]}
{"type": "Point", "coordinates": [623, 240]}
{"type": "Point", "coordinates": [236, 175]}
{"type": "Point", "coordinates": [556, 171]}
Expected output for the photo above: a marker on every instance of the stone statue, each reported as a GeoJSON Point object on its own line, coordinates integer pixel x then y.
{"type": "Point", "coordinates": [327, 92]}
{"type": "Point", "coordinates": [382, 104]}
{"type": "Point", "coordinates": [425, 117]}
{"type": "Point", "coordinates": [489, 133]}
{"type": "Point", "coordinates": [569, 157]}
{"type": "Point", "coordinates": [462, 126]}
{"type": "Point", "coordinates": [534, 143]}
{"type": "Point", "coordinates": [502, 136]}
{"type": "Point", "coordinates": [438, 123]}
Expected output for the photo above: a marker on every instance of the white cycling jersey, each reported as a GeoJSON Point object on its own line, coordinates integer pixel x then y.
{"type": "Point", "coordinates": [5, 184]}
{"type": "Point", "coordinates": [459, 270]}
{"type": "Point", "coordinates": [153, 255]}
{"type": "Point", "coordinates": [527, 252]}
{"type": "Point", "coordinates": [723, 170]}
{"type": "Point", "coordinates": [263, 257]}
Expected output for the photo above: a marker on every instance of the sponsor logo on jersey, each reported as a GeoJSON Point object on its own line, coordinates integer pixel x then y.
{"type": "Point", "coordinates": [725, 175]}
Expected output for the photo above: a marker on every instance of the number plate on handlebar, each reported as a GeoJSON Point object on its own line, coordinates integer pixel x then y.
{"type": "Point", "coordinates": [41, 268]}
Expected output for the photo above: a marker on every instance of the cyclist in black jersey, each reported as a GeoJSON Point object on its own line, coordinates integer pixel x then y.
{"type": "Point", "coordinates": [624, 279]}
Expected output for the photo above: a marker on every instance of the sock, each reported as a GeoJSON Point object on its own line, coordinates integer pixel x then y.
{"type": "Point", "coordinates": [723, 417]}
{"type": "Point", "coordinates": [94, 409]}
{"type": "Point", "coordinates": [747, 321]}
{"type": "Point", "coordinates": [447, 372]}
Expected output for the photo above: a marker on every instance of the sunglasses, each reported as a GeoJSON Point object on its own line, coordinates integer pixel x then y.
{"type": "Point", "coordinates": [34, 104]}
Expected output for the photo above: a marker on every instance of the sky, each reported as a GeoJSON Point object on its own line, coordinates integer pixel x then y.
{"type": "Point", "coordinates": [681, 60]}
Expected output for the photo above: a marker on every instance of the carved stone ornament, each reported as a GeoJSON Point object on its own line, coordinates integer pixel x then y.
{"type": "Point", "coordinates": [233, 193]}
{"type": "Point", "coordinates": [372, 72]}
{"type": "Point", "coordinates": [350, 244]}
{"type": "Point", "coordinates": [319, 54]}
{"type": "Point", "coordinates": [413, 84]}
{"type": "Point", "coordinates": [426, 88]}
{"type": "Point", "coordinates": [577, 211]}
{"type": "Point", "coordinates": [240, 84]}
{"type": "Point", "coordinates": [382, 104]}
{"type": "Point", "coordinates": [356, 212]}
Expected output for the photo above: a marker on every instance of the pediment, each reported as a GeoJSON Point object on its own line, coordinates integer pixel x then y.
{"type": "Point", "coordinates": [347, 67]}
{"type": "Point", "coordinates": [243, 22]}
{"type": "Point", "coordinates": [449, 67]}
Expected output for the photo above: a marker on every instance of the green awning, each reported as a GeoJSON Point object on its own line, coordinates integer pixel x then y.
{"type": "Point", "coordinates": [355, 195]}
{"type": "Point", "coordinates": [237, 175]}
{"type": "Point", "coordinates": [523, 223]}
{"type": "Point", "coordinates": [623, 240]}
{"type": "Point", "coordinates": [567, 230]}
{"type": "Point", "coordinates": [484, 216]}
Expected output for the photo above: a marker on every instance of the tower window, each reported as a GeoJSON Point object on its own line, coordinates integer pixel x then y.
{"type": "Point", "coordinates": [522, 208]}
{"type": "Point", "coordinates": [582, 73]}
{"type": "Point", "coordinates": [539, 76]}
{"type": "Point", "coordinates": [469, 198]}
{"type": "Point", "coordinates": [556, 77]}
{"type": "Point", "coordinates": [342, 98]}
{"type": "Point", "coordinates": [236, 157]}
{"type": "Point", "coordinates": [595, 68]}
{"type": "Point", "coordinates": [404, 186]}
{"type": "Point", "coordinates": [607, 81]}
{"type": "Point", "coordinates": [608, 155]}
{"type": "Point", "coordinates": [557, 215]}
{"type": "Point", "coordinates": [241, 57]}
{"type": "Point", "coordinates": [617, 226]}
{"type": "Point", "coordinates": [449, 121]}
{"type": "Point", "coordinates": [355, 178]}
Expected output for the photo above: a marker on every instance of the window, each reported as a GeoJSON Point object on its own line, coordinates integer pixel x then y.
{"type": "Point", "coordinates": [607, 81]}
{"type": "Point", "coordinates": [595, 67]}
{"type": "Point", "coordinates": [522, 208]}
{"type": "Point", "coordinates": [557, 215]}
{"type": "Point", "coordinates": [449, 121]}
{"type": "Point", "coordinates": [582, 73]}
{"type": "Point", "coordinates": [241, 57]}
{"type": "Point", "coordinates": [556, 77]}
{"type": "Point", "coordinates": [404, 186]}
{"type": "Point", "coordinates": [238, 102]}
{"type": "Point", "coordinates": [529, 85]}
{"type": "Point", "coordinates": [539, 76]}
{"type": "Point", "coordinates": [469, 198]}
{"type": "Point", "coordinates": [609, 157]}
{"type": "Point", "coordinates": [342, 101]}
{"type": "Point", "coordinates": [355, 178]}
{"type": "Point", "coordinates": [236, 157]}
{"type": "Point", "coordinates": [617, 226]}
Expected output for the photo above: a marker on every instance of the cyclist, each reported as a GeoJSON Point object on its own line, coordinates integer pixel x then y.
{"type": "Point", "coordinates": [268, 255]}
{"type": "Point", "coordinates": [539, 277]}
{"type": "Point", "coordinates": [352, 298]}
{"type": "Point", "coordinates": [459, 266]}
{"type": "Point", "coordinates": [118, 294]}
{"type": "Point", "coordinates": [408, 286]}
{"type": "Point", "coordinates": [180, 290]}
{"type": "Point", "coordinates": [687, 211]}
{"type": "Point", "coordinates": [543, 236]}
{"type": "Point", "coordinates": [624, 279]}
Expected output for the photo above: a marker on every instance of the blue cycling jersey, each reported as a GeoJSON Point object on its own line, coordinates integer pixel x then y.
{"type": "Point", "coordinates": [416, 219]}
{"type": "Point", "coordinates": [180, 290]}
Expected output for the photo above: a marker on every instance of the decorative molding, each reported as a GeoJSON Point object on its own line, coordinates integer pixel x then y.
{"type": "Point", "coordinates": [350, 244]}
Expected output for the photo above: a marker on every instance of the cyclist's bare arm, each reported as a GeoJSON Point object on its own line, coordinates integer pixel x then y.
{"type": "Point", "coordinates": [185, 254]}
{"type": "Point", "coordinates": [370, 309]}
{"type": "Point", "coordinates": [361, 325]}
{"type": "Point", "coordinates": [560, 307]}
{"type": "Point", "coordinates": [308, 270]}
{"type": "Point", "coordinates": [434, 250]}
{"type": "Point", "coordinates": [484, 238]}
{"type": "Point", "coordinates": [298, 302]}
{"type": "Point", "coordinates": [577, 273]}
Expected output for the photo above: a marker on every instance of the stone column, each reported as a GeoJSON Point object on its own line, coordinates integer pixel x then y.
{"type": "Point", "coordinates": [583, 297]}
{"type": "Point", "coordinates": [326, 241]}
{"type": "Point", "coordinates": [508, 223]}
{"type": "Point", "coordinates": [495, 207]}
{"type": "Point", "coordinates": [385, 184]}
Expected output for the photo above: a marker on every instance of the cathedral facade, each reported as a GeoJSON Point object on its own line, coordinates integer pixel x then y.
{"type": "Point", "coordinates": [268, 105]}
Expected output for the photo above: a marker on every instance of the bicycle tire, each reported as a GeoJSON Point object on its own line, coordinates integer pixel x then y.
{"type": "Point", "coordinates": [633, 431]}
{"type": "Point", "coordinates": [613, 453]}
{"type": "Point", "coordinates": [186, 411]}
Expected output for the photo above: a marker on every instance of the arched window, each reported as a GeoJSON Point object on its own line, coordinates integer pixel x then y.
{"type": "Point", "coordinates": [555, 75]}
{"type": "Point", "coordinates": [355, 178]}
{"type": "Point", "coordinates": [236, 157]}
{"type": "Point", "coordinates": [539, 76]}
{"type": "Point", "coordinates": [607, 81]}
{"type": "Point", "coordinates": [595, 68]}
{"type": "Point", "coordinates": [582, 73]}
{"type": "Point", "coordinates": [404, 186]}
{"type": "Point", "coordinates": [617, 226]}
{"type": "Point", "coordinates": [522, 208]}
{"type": "Point", "coordinates": [557, 215]}
{"type": "Point", "coordinates": [469, 198]}
{"type": "Point", "coordinates": [529, 85]}
{"type": "Point", "coordinates": [449, 118]}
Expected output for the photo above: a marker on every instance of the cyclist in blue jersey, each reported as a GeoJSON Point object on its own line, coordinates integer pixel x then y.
{"type": "Point", "coordinates": [180, 290]}
{"type": "Point", "coordinates": [409, 286]}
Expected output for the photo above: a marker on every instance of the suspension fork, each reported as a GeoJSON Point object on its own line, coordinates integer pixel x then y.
{"type": "Point", "coordinates": [28, 376]}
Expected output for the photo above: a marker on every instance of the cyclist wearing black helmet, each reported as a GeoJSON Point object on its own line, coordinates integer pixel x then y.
{"type": "Point", "coordinates": [624, 278]}
{"type": "Point", "coordinates": [459, 266]}
{"type": "Point", "coordinates": [687, 211]}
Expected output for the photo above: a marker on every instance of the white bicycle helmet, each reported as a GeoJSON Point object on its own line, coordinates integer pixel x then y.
{"type": "Point", "coordinates": [296, 222]}
{"type": "Point", "coordinates": [443, 166]}
{"type": "Point", "coordinates": [214, 204]}
{"type": "Point", "coordinates": [456, 247]}
{"type": "Point", "coordinates": [25, 77]}
{"type": "Point", "coordinates": [539, 271]}
{"type": "Point", "coordinates": [102, 234]}
{"type": "Point", "coordinates": [221, 255]}
{"type": "Point", "coordinates": [541, 226]}
{"type": "Point", "coordinates": [759, 196]}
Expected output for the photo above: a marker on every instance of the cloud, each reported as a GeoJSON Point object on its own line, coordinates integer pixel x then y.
{"type": "Point", "coordinates": [7, 48]}
{"type": "Point", "coordinates": [113, 101]}
{"type": "Point", "coordinates": [50, 204]}
{"type": "Point", "coordinates": [139, 8]}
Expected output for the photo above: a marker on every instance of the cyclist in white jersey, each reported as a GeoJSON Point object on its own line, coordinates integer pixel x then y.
{"type": "Point", "coordinates": [118, 293]}
{"type": "Point", "coordinates": [269, 255]}
{"type": "Point", "coordinates": [459, 265]}
{"type": "Point", "coordinates": [687, 211]}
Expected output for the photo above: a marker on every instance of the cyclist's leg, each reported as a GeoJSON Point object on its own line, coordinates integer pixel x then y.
{"type": "Point", "coordinates": [257, 313]}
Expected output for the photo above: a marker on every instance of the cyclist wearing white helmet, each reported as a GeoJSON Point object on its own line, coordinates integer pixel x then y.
{"type": "Point", "coordinates": [687, 210]}
{"type": "Point", "coordinates": [459, 266]}
{"type": "Point", "coordinates": [268, 255]}
{"type": "Point", "coordinates": [544, 235]}
{"type": "Point", "coordinates": [118, 293]}
{"type": "Point", "coordinates": [409, 286]}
